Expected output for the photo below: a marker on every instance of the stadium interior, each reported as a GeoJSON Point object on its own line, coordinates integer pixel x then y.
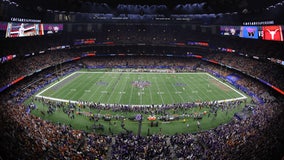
{"type": "Point", "coordinates": [47, 44]}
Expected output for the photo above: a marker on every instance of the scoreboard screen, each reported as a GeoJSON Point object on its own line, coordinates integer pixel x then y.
{"type": "Point", "coordinates": [271, 32]}
{"type": "Point", "coordinates": [3, 27]}
{"type": "Point", "coordinates": [230, 30]}
{"type": "Point", "coordinates": [53, 28]}
{"type": "Point", "coordinates": [15, 29]}
{"type": "Point", "coordinates": [249, 32]}
{"type": "Point", "coordinates": [24, 29]}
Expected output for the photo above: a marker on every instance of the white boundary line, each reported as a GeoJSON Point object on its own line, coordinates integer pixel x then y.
{"type": "Point", "coordinates": [226, 85]}
{"type": "Point", "coordinates": [64, 100]}
{"type": "Point", "coordinates": [142, 72]}
{"type": "Point", "coordinates": [39, 94]}
{"type": "Point", "coordinates": [57, 99]}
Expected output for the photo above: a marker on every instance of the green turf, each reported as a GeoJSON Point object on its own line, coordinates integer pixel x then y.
{"type": "Point", "coordinates": [118, 88]}
{"type": "Point", "coordinates": [168, 128]}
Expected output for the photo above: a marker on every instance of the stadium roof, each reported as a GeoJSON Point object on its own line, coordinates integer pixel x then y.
{"type": "Point", "coordinates": [210, 6]}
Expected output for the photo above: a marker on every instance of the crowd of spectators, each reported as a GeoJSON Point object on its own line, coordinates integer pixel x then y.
{"type": "Point", "coordinates": [29, 65]}
{"type": "Point", "coordinates": [13, 70]}
{"type": "Point", "coordinates": [39, 80]}
{"type": "Point", "coordinates": [156, 39]}
{"type": "Point", "coordinates": [264, 70]}
{"type": "Point", "coordinates": [26, 136]}
{"type": "Point", "coordinates": [253, 85]}
{"type": "Point", "coordinates": [252, 138]}
{"type": "Point", "coordinates": [140, 62]}
{"type": "Point", "coordinates": [246, 46]}
{"type": "Point", "coordinates": [130, 146]}
{"type": "Point", "coordinates": [269, 72]}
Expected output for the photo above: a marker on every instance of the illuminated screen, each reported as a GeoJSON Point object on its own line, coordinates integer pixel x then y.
{"type": "Point", "coordinates": [24, 29]}
{"type": "Point", "coordinates": [7, 58]}
{"type": "Point", "coordinates": [273, 33]}
{"type": "Point", "coordinates": [230, 30]}
{"type": "Point", "coordinates": [249, 32]}
{"type": "Point", "coordinates": [84, 41]}
{"type": "Point", "coordinates": [3, 27]}
{"type": "Point", "coordinates": [53, 28]}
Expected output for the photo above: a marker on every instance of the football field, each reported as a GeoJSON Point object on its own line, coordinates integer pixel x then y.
{"type": "Point", "coordinates": [143, 88]}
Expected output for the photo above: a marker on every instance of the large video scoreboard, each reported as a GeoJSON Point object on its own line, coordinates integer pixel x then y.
{"type": "Point", "coordinates": [271, 32]}
{"type": "Point", "coordinates": [16, 29]}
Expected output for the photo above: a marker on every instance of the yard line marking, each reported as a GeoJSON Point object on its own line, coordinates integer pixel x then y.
{"type": "Point", "coordinates": [209, 80]}
{"type": "Point", "coordinates": [150, 90]}
{"type": "Point", "coordinates": [96, 90]}
{"type": "Point", "coordinates": [227, 85]}
{"type": "Point", "coordinates": [195, 92]}
{"type": "Point", "coordinates": [38, 95]}
{"type": "Point", "coordinates": [79, 85]}
{"type": "Point", "coordinates": [184, 80]}
{"type": "Point", "coordinates": [205, 95]}
{"type": "Point", "coordinates": [177, 91]}
{"type": "Point", "coordinates": [203, 90]}
{"type": "Point", "coordinates": [160, 92]}
{"type": "Point", "coordinates": [131, 93]}
{"type": "Point", "coordinates": [141, 72]}
{"type": "Point", "coordinates": [107, 76]}
{"type": "Point", "coordinates": [166, 86]}
{"type": "Point", "coordinates": [114, 87]}
{"type": "Point", "coordinates": [122, 92]}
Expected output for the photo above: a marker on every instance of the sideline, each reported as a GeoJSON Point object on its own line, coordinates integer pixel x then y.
{"type": "Point", "coordinates": [77, 102]}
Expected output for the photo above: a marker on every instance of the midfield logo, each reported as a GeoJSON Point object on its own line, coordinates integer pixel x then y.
{"type": "Point", "coordinates": [141, 84]}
